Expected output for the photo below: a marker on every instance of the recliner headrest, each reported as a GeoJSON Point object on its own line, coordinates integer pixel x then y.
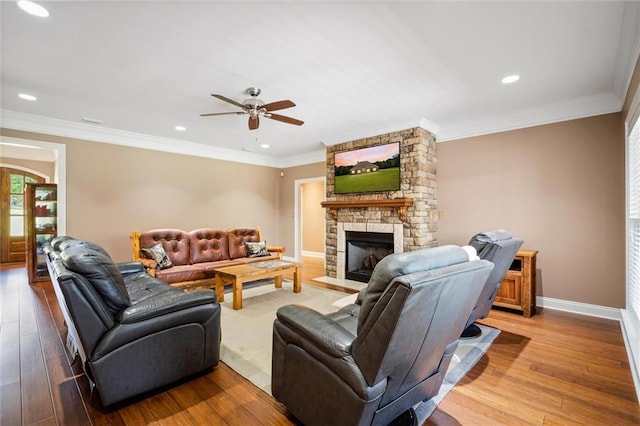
{"type": "Point", "coordinates": [398, 264]}
{"type": "Point", "coordinates": [102, 273]}
{"type": "Point", "coordinates": [72, 242]}
{"type": "Point", "coordinates": [491, 236]}
{"type": "Point", "coordinates": [57, 241]}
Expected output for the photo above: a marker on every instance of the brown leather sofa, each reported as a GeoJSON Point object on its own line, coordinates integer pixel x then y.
{"type": "Point", "coordinates": [194, 255]}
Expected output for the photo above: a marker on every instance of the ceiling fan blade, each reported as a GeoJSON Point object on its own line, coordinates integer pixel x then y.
{"type": "Point", "coordinates": [254, 122]}
{"type": "Point", "coordinates": [285, 119]}
{"type": "Point", "coordinates": [231, 101]}
{"type": "Point", "coordinates": [274, 106]}
{"type": "Point", "coordinates": [221, 113]}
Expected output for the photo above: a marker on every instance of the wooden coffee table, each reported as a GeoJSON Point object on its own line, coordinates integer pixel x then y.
{"type": "Point", "coordinates": [240, 274]}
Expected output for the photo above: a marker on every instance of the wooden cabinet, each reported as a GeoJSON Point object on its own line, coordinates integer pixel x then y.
{"type": "Point", "coordinates": [41, 226]}
{"type": "Point", "coordinates": [518, 289]}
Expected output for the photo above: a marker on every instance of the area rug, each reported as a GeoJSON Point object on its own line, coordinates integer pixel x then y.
{"type": "Point", "coordinates": [247, 333]}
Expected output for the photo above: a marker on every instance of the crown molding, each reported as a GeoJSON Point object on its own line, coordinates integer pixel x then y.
{"type": "Point", "coordinates": [384, 129]}
{"type": "Point", "coordinates": [630, 40]}
{"type": "Point", "coordinates": [56, 127]}
{"type": "Point", "coordinates": [582, 107]}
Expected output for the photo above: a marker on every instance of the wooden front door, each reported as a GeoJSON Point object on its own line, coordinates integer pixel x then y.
{"type": "Point", "coordinates": [13, 211]}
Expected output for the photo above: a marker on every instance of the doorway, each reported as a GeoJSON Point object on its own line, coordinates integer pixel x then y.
{"type": "Point", "coordinates": [16, 170]}
{"type": "Point", "coordinates": [13, 211]}
{"type": "Point", "coordinates": [309, 217]}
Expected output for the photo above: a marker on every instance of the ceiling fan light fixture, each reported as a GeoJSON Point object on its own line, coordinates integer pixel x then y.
{"type": "Point", "coordinates": [256, 108]}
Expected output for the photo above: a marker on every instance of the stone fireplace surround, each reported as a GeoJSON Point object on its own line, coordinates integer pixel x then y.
{"type": "Point", "coordinates": [410, 213]}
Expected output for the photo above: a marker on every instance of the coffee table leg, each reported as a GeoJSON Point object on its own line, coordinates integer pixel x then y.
{"type": "Point", "coordinates": [297, 280]}
{"type": "Point", "coordinates": [237, 293]}
{"type": "Point", "coordinates": [278, 281]}
{"type": "Point", "coordinates": [219, 288]}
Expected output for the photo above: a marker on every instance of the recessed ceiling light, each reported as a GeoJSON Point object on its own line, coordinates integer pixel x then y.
{"type": "Point", "coordinates": [33, 8]}
{"type": "Point", "coordinates": [91, 120]}
{"type": "Point", "coordinates": [27, 97]}
{"type": "Point", "coordinates": [180, 128]}
{"type": "Point", "coordinates": [510, 79]}
{"type": "Point", "coordinates": [264, 145]}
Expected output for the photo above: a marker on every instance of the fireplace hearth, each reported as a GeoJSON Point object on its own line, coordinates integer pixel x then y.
{"type": "Point", "coordinates": [363, 251]}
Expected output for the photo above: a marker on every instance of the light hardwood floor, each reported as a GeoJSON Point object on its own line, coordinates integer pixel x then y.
{"type": "Point", "coordinates": [552, 369]}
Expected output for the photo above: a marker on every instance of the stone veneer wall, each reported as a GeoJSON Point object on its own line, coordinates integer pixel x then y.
{"type": "Point", "coordinates": [418, 181]}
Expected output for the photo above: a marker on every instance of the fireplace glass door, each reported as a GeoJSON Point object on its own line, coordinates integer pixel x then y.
{"type": "Point", "coordinates": [363, 252]}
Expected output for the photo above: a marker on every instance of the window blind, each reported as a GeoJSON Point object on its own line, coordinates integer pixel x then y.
{"type": "Point", "coordinates": [633, 215]}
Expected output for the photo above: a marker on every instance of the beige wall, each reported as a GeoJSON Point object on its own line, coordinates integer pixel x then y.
{"type": "Point", "coordinates": [313, 193]}
{"type": "Point", "coordinates": [287, 199]}
{"type": "Point", "coordinates": [560, 187]}
{"type": "Point", "coordinates": [113, 190]}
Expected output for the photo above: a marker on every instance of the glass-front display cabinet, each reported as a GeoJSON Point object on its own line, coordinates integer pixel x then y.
{"type": "Point", "coordinates": [42, 226]}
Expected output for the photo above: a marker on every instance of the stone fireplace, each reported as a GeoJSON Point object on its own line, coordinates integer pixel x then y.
{"type": "Point", "coordinates": [408, 216]}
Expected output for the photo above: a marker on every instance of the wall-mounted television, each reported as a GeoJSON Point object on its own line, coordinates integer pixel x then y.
{"type": "Point", "coordinates": [372, 169]}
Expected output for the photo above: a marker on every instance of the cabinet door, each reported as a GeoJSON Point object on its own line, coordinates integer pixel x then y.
{"type": "Point", "coordinates": [510, 292]}
{"type": "Point", "coordinates": [42, 213]}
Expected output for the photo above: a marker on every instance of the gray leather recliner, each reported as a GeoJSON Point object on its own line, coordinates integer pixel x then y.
{"type": "Point", "coordinates": [500, 248]}
{"type": "Point", "coordinates": [133, 332]}
{"type": "Point", "coordinates": [368, 363]}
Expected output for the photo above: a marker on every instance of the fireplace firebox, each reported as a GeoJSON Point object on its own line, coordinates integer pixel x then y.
{"type": "Point", "coordinates": [363, 251]}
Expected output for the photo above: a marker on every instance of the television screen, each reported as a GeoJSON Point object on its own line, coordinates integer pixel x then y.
{"type": "Point", "coordinates": [373, 169]}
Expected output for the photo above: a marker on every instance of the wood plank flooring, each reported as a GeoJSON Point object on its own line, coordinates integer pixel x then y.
{"type": "Point", "coordinates": [552, 369]}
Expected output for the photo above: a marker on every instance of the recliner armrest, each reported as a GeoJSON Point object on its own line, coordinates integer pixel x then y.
{"type": "Point", "coordinates": [127, 268]}
{"type": "Point", "coordinates": [325, 333]}
{"type": "Point", "coordinates": [166, 303]}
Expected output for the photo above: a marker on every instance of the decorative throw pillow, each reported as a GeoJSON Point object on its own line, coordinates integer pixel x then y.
{"type": "Point", "coordinates": [257, 249]}
{"type": "Point", "coordinates": [158, 254]}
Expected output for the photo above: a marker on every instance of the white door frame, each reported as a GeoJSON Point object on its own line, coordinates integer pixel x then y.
{"type": "Point", "coordinates": [60, 173]}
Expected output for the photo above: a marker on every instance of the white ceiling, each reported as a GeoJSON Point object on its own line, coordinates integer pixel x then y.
{"type": "Point", "coordinates": [354, 69]}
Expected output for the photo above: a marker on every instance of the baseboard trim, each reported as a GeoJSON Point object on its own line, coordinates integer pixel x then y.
{"type": "Point", "coordinates": [316, 254]}
{"type": "Point", "coordinates": [579, 308]}
{"type": "Point", "coordinates": [630, 325]}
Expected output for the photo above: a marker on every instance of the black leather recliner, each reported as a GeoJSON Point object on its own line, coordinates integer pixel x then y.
{"type": "Point", "coordinates": [368, 363]}
{"type": "Point", "coordinates": [133, 332]}
{"type": "Point", "coordinates": [500, 248]}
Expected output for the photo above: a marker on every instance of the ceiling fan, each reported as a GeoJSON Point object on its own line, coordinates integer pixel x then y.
{"type": "Point", "coordinates": [256, 108]}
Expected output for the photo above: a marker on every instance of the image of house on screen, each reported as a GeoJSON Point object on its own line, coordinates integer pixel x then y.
{"type": "Point", "coordinates": [363, 167]}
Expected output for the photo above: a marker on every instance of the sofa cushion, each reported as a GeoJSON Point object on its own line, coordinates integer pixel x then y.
{"type": "Point", "coordinates": [237, 237]}
{"type": "Point", "coordinates": [175, 242]}
{"type": "Point", "coordinates": [101, 272]}
{"type": "Point", "coordinates": [142, 286]}
{"type": "Point", "coordinates": [210, 267]}
{"type": "Point", "coordinates": [245, 260]}
{"type": "Point", "coordinates": [258, 249]}
{"type": "Point", "coordinates": [158, 254]}
{"type": "Point", "coordinates": [181, 273]}
{"type": "Point", "coordinates": [208, 245]}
